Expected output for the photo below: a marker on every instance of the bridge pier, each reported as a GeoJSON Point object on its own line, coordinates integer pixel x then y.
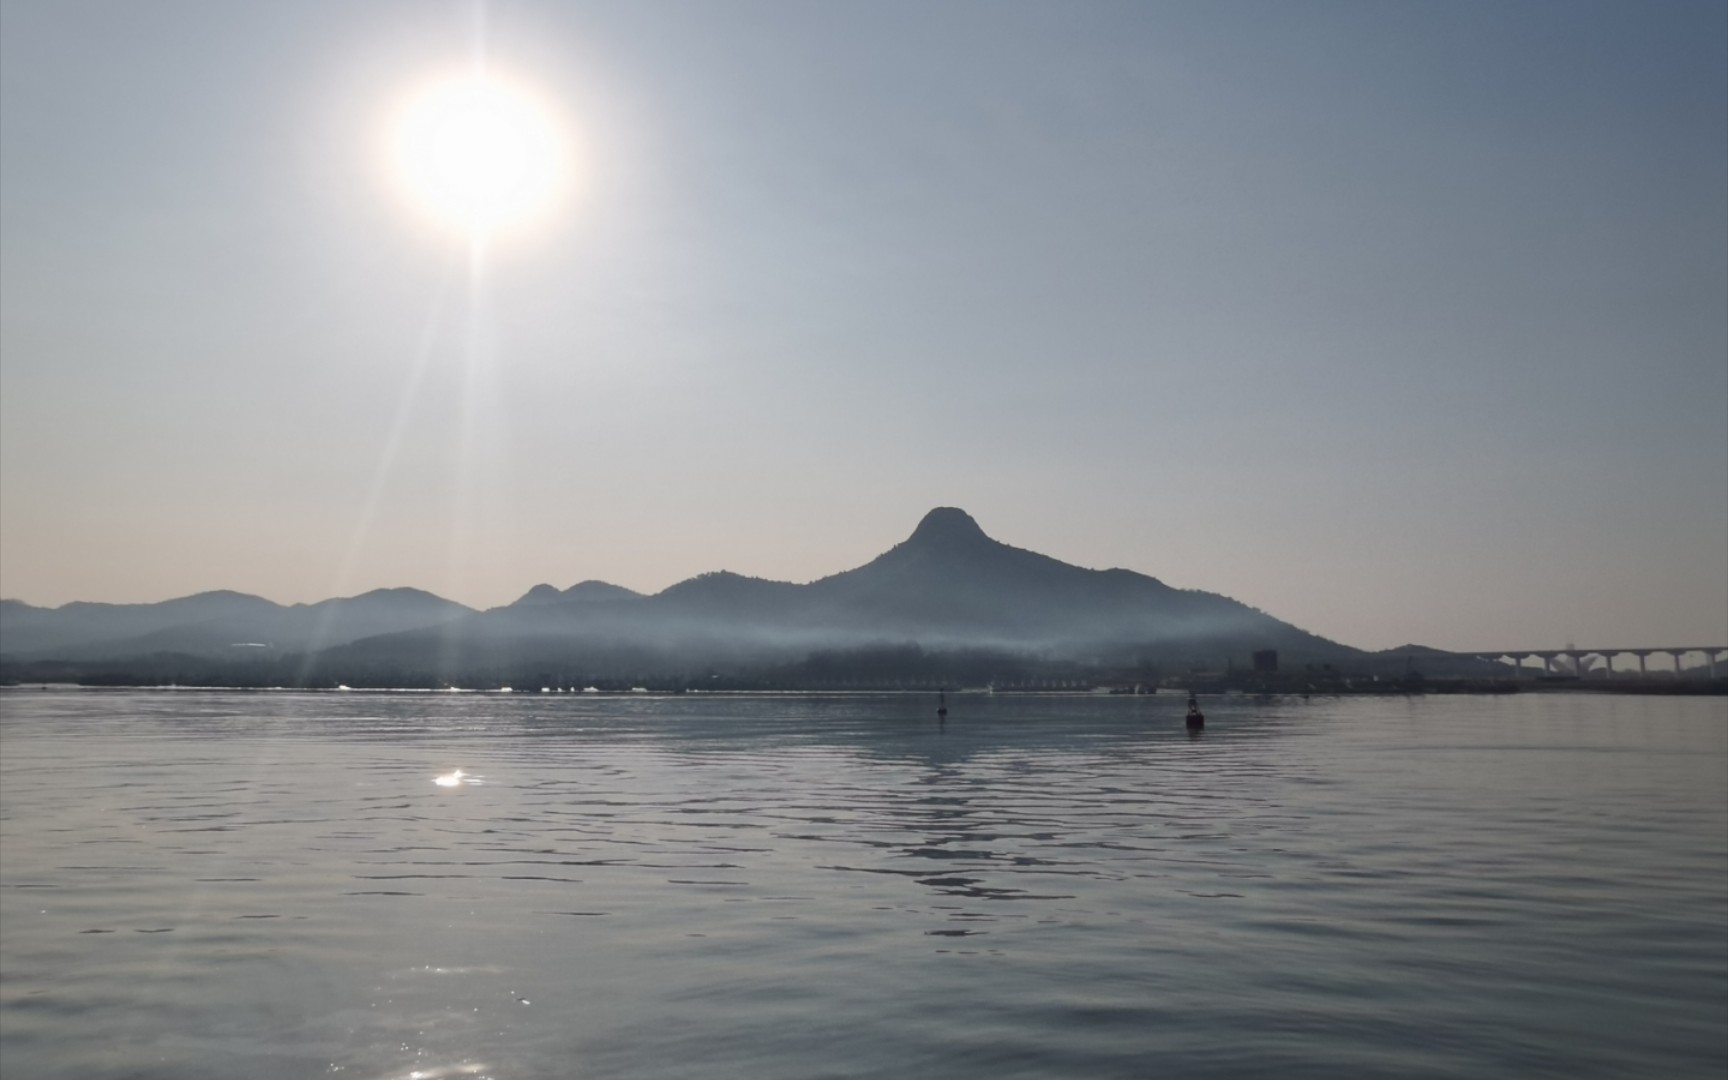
{"type": "Point", "coordinates": [1579, 661]}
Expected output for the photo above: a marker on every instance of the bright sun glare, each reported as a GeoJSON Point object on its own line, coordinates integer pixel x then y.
{"type": "Point", "coordinates": [479, 154]}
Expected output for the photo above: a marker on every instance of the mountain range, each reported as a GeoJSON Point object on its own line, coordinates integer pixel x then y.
{"type": "Point", "coordinates": [946, 586]}
{"type": "Point", "coordinates": [212, 623]}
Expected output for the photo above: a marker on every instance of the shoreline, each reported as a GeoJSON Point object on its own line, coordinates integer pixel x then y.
{"type": "Point", "coordinates": [1434, 688]}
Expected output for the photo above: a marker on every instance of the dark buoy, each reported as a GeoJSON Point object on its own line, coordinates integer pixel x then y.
{"type": "Point", "coordinates": [1196, 718]}
{"type": "Point", "coordinates": [942, 704]}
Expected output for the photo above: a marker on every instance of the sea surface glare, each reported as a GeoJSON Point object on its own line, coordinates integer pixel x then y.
{"type": "Point", "coordinates": [201, 884]}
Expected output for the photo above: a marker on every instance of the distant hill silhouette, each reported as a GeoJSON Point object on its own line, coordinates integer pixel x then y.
{"type": "Point", "coordinates": [212, 623]}
{"type": "Point", "coordinates": [947, 586]}
{"type": "Point", "coordinates": [583, 592]}
{"type": "Point", "coordinates": [950, 581]}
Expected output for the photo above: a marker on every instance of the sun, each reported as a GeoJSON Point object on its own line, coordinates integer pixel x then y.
{"type": "Point", "coordinates": [479, 154]}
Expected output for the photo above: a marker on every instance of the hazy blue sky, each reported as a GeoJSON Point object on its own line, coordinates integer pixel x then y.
{"type": "Point", "coordinates": [1402, 321]}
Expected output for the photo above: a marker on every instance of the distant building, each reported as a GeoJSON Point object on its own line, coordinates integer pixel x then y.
{"type": "Point", "coordinates": [1266, 660]}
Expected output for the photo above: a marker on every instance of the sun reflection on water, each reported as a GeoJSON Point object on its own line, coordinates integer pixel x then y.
{"type": "Point", "coordinates": [440, 1073]}
{"type": "Point", "coordinates": [457, 778]}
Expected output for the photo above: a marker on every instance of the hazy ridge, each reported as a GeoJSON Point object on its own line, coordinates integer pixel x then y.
{"type": "Point", "coordinates": [948, 586]}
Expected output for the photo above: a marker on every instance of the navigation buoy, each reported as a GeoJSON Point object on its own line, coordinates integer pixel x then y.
{"type": "Point", "coordinates": [942, 704]}
{"type": "Point", "coordinates": [1196, 718]}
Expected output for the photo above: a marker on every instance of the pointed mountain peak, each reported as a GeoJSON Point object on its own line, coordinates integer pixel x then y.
{"type": "Point", "coordinates": [947, 526]}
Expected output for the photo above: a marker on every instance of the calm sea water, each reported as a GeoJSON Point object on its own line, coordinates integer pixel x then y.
{"type": "Point", "coordinates": [275, 885]}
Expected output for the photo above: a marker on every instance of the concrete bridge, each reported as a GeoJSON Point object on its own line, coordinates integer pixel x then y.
{"type": "Point", "coordinates": [1581, 657]}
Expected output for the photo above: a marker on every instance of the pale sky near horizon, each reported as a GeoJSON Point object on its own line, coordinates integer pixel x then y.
{"type": "Point", "coordinates": [1402, 322]}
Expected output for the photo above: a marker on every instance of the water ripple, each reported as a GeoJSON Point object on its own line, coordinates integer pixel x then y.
{"type": "Point", "coordinates": [800, 887]}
